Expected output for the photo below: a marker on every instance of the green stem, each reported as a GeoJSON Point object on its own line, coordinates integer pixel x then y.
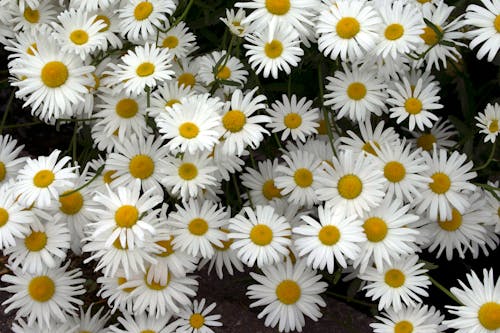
{"type": "Point", "coordinates": [325, 111]}
{"type": "Point", "coordinates": [444, 290]}
{"type": "Point", "coordinates": [23, 125]}
{"type": "Point", "coordinates": [252, 160]}
{"type": "Point", "coordinates": [183, 15]}
{"type": "Point", "coordinates": [7, 109]}
{"type": "Point", "coordinates": [350, 300]}
{"type": "Point", "coordinates": [490, 158]}
{"type": "Point", "coordinates": [492, 189]}
{"type": "Point", "coordinates": [97, 174]}
{"type": "Point", "coordinates": [277, 140]}
{"type": "Point", "coordinates": [235, 183]}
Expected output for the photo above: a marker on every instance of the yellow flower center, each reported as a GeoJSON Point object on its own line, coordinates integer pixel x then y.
{"type": "Point", "coordinates": [189, 130]}
{"type": "Point", "coordinates": [454, 223]}
{"type": "Point", "coordinates": [198, 227]}
{"type": "Point", "coordinates": [4, 217]}
{"type": "Point", "coordinates": [41, 288]}
{"type": "Point", "coordinates": [278, 7]}
{"type": "Point", "coordinates": [170, 42]}
{"type": "Point", "coordinates": [489, 315]}
{"type": "Point", "coordinates": [196, 320]}
{"type": "Point", "coordinates": [497, 23]}
{"type": "Point", "coordinates": [156, 285]}
{"type": "Point", "coordinates": [329, 235]}
{"type": "Point", "coordinates": [224, 73]}
{"type": "Point", "coordinates": [349, 186]}
{"type": "Point", "coordinates": [118, 245]}
{"type": "Point", "coordinates": [273, 49]}
{"type": "Point", "coordinates": [347, 27]}
{"type": "Point", "coordinates": [145, 69]}
{"type": "Point", "coordinates": [186, 79]}
{"type": "Point", "coordinates": [141, 166]}
{"type": "Point", "coordinates": [288, 292]}
{"type": "Point", "coordinates": [122, 280]}
{"type": "Point", "coordinates": [167, 246]}
{"type": "Point", "coordinates": [127, 108]}
{"type": "Point", "coordinates": [188, 171]}
{"type": "Point", "coordinates": [261, 234]}
{"type": "Point", "coordinates": [356, 91]}
{"type": "Point", "coordinates": [322, 128]}
{"type": "Point", "coordinates": [423, 1]}
{"type": "Point", "coordinates": [234, 121]}
{"type": "Point", "coordinates": [108, 176]}
{"type": "Point", "coordinates": [413, 105]}
{"type": "Point", "coordinates": [105, 20]}
{"type": "Point", "coordinates": [79, 37]}
{"type": "Point", "coordinates": [172, 102]}
{"type": "Point", "coordinates": [270, 191]}
{"type": "Point", "coordinates": [71, 204]}
{"type": "Point", "coordinates": [303, 177]}
{"type": "Point", "coordinates": [425, 141]}
{"type": "Point", "coordinates": [394, 31]}
{"type": "Point", "coordinates": [126, 216]}
{"type": "Point", "coordinates": [441, 183]}
{"type": "Point", "coordinates": [369, 148]}
{"type": "Point", "coordinates": [3, 171]}
{"type": "Point", "coordinates": [31, 15]}
{"type": "Point", "coordinates": [143, 10]}
{"type": "Point", "coordinates": [36, 241]}
{"type": "Point", "coordinates": [394, 278]}
{"type": "Point", "coordinates": [493, 127]}
{"type": "Point", "coordinates": [145, 331]}
{"type": "Point", "coordinates": [375, 229]}
{"type": "Point", "coordinates": [429, 36]}
{"type": "Point", "coordinates": [226, 245]}
{"type": "Point", "coordinates": [403, 326]}
{"type": "Point", "coordinates": [43, 178]}
{"type": "Point", "coordinates": [54, 74]}
{"type": "Point", "coordinates": [31, 50]}
{"type": "Point", "coordinates": [292, 120]}
{"type": "Point", "coordinates": [394, 171]}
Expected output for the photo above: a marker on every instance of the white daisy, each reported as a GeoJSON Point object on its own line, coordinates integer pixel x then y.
{"type": "Point", "coordinates": [14, 219]}
{"type": "Point", "coordinates": [53, 327]}
{"type": "Point", "coordinates": [117, 298]}
{"type": "Point", "coordinates": [414, 319]}
{"type": "Point", "coordinates": [493, 206]}
{"type": "Point", "coordinates": [231, 69]}
{"type": "Point", "coordinates": [33, 16]}
{"type": "Point", "coordinates": [489, 121]}
{"type": "Point", "coordinates": [141, 322]}
{"type": "Point", "coordinates": [262, 237]}
{"type": "Point", "coordinates": [165, 95]}
{"type": "Point", "coordinates": [91, 5]}
{"type": "Point", "coordinates": [289, 292]}
{"type": "Point", "coordinates": [88, 322]}
{"type": "Point", "coordinates": [186, 74]}
{"type": "Point", "coordinates": [10, 162]}
{"type": "Point", "coordinates": [485, 19]}
{"type": "Point", "coordinates": [261, 182]}
{"type": "Point", "coordinates": [233, 22]}
{"type": "Point", "coordinates": [440, 135]}
{"type": "Point", "coordinates": [179, 41]}
{"type": "Point", "coordinates": [111, 29]}
{"type": "Point", "coordinates": [370, 138]}
{"type": "Point", "coordinates": [197, 318]}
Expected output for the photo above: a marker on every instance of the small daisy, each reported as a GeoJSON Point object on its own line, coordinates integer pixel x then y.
{"type": "Point", "coordinates": [231, 69]}
{"type": "Point", "coordinates": [348, 29]}
{"type": "Point", "coordinates": [489, 121]}
{"type": "Point", "coordinates": [192, 125]}
{"type": "Point", "coordinates": [262, 237]}
{"type": "Point", "coordinates": [440, 135]}
{"type": "Point", "coordinates": [233, 22]}
{"type": "Point", "coordinates": [10, 162]}
{"type": "Point", "coordinates": [142, 323]}
{"type": "Point", "coordinates": [299, 178]}
{"type": "Point", "coordinates": [403, 281]}
{"type": "Point", "coordinates": [289, 292]}
{"type": "Point", "coordinates": [196, 318]}
{"type": "Point", "coordinates": [480, 305]}
{"type": "Point", "coordinates": [165, 95]}
{"type": "Point", "coordinates": [88, 322]}
{"type": "Point", "coordinates": [414, 319]}
{"type": "Point", "coordinates": [196, 227]}
{"type": "Point", "coordinates": [295, 118]}
{"type": "Point", "coordinates": [353, 181]}
{"type": "Point", "coordinates": [370, 138]}
{"type": "Point", "coordinates": [140, 20]}
{"type": "Point", "coordinates": [274, 52]}
{"type": "Point", "coordinates": [450, 186]}
{"type": "Point", "coordinates": [117, 298]}
{"type": "Point", "coordinates": [111, 29]}
{"type": "Point", "coordinates": [415, 103]}
{"type": "Point", "coordinates": [55, 289]}
{"type": "Point", "coordinates": [186, 74]}
{"type": "Point", "coordinates": [357, 92]}
{"type": "Point", "coordinates": [240, 127]}
{"type": "Point", "coordinates": [261, 182]}
{"type": "Point", "coordinates": [334, 238]}
{"type": "Point", "coordinates": [402, 25]}
{"type": "Point", "coordinates": [486, 22]}
{"type": "Point", "coordinates": [14, 219]}
{"type": "Point", "coordinates": [179, 41]}
{"type": "Point", "coordinates": [142, 68]}
{"type": "Point", "coordinates": [40, 181]}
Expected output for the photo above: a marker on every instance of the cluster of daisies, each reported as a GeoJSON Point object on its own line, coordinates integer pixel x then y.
{"type": "Point", "coordinates": [181, 181]}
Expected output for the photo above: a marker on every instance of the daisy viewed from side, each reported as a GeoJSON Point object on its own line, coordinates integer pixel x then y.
{"type": "Point", "coordinates": [197, 318]}
{"type": "Point", "coordinates": [489, 122]}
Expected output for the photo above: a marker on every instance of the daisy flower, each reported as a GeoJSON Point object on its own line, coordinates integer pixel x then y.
{"type": "Point", "coordinates": [111, 29]}
{"type": "Point", "coordinates": [140, 20]}
{"type": "Point", "coordinates": [493, 206]}
{"type": "Point", "coordinates": [142, 68]}
{"type": "Point", "coordinates": [450, 186]}
{"type": "Point", "coordinates": [334, 238]}
{"type": "Point", "coordinates": [56, 289]}
{"type": "Point", "coordinates": [197, 318]}
{"type": "Point", "coordinates": [415, 103]}
{"type": "Point", "coordinates": [92, 5]}
{"type": "Point", "coordinates": [190, 175]}
{"type": "Point", "coordinates": [231, 69]}
{"type": "Point", "coordinates": [357, 92]}
{"type": "Point", "coordinates": [370, 138]}
{"type": "Point", "coordinates": [273, 52]}
{"type": "Point", "coordinates": [488, 121]}
{"type": "Point", "coordinates": [240, 127]}
{"type": "Point", "coordinates": [227, 164]}
{"type": "Point", "coordinates": [53, 327]}
{"type": "Point", "coordinates": [10, 162]}
{"type": "Point", "coordinates": [480, 304]}
{"type": "Point", "coordinates": [233, 22]}
{"type": "Point", "coordinates": [34, 16]}
{"type": "Point", "coordinates": [402, 25]}
{"type": "Point", "coordinates": [415, 319]}
{"type": "Point", "coordinates": [299, 178]}
{"type": "Point", "coordinates": [126, 213]}
{"type": "Point", "coordinates": [117, 298]}
{"type": "Point", "coordinates": [196, 227]}
{"type": "Point", "coordinates": [485, 20]}
{"type": "Point", "coordinates": [348, 29]}
{"type": "Point", "coordinates": [353, 181]}
{"type": "Point", "coordinates": [191, 125]}
{"type": "Point", "coordinates": [14, 219]}
{"type": "Point", "coordinates": [289, 292]}
{"type": "Point", "coordinates": [40, 181]}
{"type": "Point", "coordinates": [179, 41]}
{"type": "Point", "coordinates": [88, 322]}
{"type": "Point", "coordinates": [140, 322]}
{"type": "Point", "coordinates": [439, 134]}
{"type": "Point", "coordinates": [295, 118]}
{"type": "Point", "coordinates": [261, 182]}
{"type": "Point", "coordinates": [403, 281]}
{"type": "Point", "coordinates": [263, 236]}
{"type": "Point", "coordinates": [78, 33]}
{"type": "Point", "coordinates": [168, 94]}
{"type": "Point", "coordinates": [186, 74]}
